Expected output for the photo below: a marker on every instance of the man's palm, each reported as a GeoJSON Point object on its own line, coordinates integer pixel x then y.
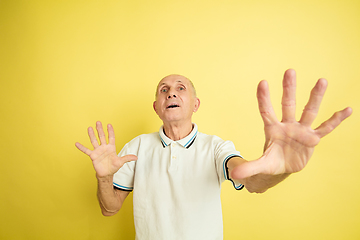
{"type": "Point", "coordinates": [104, 158]}
{"type": "Point", "coordinates": [289, 144]}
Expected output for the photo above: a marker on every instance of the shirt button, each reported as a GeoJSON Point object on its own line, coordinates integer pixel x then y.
{"type": "Point", "coordinates": [173, 157]}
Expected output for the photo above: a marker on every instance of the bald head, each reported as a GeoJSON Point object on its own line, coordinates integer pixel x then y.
{"type": "Point", "coordinates": [179, 78]}
{"type": "Point", "coordinates": [176, 100]}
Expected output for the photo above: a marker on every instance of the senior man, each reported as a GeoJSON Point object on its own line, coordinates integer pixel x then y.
{"type": "Point", "coordinates": [178, 171]}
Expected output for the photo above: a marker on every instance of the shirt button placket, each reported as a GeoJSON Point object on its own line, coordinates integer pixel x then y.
{"type": "Point", "coordinates": [173, 145]}
{"type": "Point", "coordinates": [173, 156]}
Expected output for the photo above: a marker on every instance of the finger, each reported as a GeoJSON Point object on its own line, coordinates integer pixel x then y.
{"type": "Point", "coordinates": [288, 101]}
{"type": "Point", "coordinates": [128, 158]}
{"type": "Point", "coordinates": [245, 170]}
{"type": "Point", "coordinates": [101, 133]}
{"type": "Point", "coordinates": [111, 134]}
{"type": "Point", "coordinates": [83, 149]}
{"type": "Point", "coordinates": [265, 107]}
{"type": "Point", "coordinates": [92, 136]}
{"type": "Point", "coordinates": [312, 107]}
{"type": "Point", "coordinates": [329, 125]}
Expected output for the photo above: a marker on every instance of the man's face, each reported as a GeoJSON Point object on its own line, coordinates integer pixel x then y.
{"type": "Point", "coordinates": [175, 99]}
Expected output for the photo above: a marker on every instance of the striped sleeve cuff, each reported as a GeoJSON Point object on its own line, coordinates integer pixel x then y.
{"type": "Point", "coordinates": [238, 186]}
{"type": "Point", "coordinates": [123, 188]}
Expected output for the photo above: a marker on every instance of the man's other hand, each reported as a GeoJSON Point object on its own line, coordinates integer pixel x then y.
{"type": "Point", "coordinates": [289, 144]}
{"type": "Point", "coordinates": [104, 157]}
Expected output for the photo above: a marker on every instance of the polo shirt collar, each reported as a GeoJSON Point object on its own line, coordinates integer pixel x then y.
{"type": "Point", "coordinates": [186, 142]}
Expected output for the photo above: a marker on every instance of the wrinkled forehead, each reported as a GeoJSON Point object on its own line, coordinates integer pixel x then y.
{"type": "Point", "coordinates": [173, 78]}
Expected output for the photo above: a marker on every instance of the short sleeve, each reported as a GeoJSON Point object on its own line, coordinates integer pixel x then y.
{"type": "Point", "coordinates": [124, 178]}
{"type": "Point", "coordinates": [224, 151]}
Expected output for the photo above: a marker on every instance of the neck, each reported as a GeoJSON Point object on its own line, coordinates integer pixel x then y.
{"type": "Point", "coordinates": [177, 131]}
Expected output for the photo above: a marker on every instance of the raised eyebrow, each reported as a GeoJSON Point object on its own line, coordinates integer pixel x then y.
{"type": "Point", "coordinates": [161, 86]}
{"type": "Point", "coordinates": [181, 83]}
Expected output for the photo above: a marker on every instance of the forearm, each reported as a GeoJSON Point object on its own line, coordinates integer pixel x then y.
{"type": "Point", "coordinates": [258, 183]}
{"type": "Point", "coordinates": [110, 200]}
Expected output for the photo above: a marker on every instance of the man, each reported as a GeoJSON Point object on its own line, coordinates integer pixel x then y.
{"type": "Point", "coordinates": [178, 172]}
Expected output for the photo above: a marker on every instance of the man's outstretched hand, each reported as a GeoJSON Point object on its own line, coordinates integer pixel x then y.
{"type": "Point", "coordinates": [289, 144]}
{"type": "Point", "coordinates": [104, 158]}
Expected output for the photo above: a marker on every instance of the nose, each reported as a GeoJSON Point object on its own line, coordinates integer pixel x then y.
{"type": "Point", "coordinates": [172, 94]}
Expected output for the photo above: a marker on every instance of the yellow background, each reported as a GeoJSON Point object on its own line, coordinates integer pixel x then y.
{"type": "Point", "coordinates": [66, 64]}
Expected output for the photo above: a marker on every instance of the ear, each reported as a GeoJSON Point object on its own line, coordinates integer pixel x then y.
{"type": "Point", "coordinates": [154, 106]}
{"type": "Point", "coordinates": [197, 104]}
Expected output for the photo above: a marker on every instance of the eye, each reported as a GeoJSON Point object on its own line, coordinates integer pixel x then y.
{"type": "Point", "coordinates": [163, 90]}
{"type": "Point", "coordinates": [181, 88]}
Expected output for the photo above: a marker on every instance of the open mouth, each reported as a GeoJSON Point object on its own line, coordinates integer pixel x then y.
{"type": "Point", "coordinates": [172, 106]}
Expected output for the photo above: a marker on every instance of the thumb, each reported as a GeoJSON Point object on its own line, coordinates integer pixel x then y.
{"type": "Point", "coordinates": [246, 170]}
{"type": "Point", "coordinates": [128, 158]}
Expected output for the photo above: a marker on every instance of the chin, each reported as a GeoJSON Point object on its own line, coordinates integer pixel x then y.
{"type": "Point", "coordinates": [169, 119]}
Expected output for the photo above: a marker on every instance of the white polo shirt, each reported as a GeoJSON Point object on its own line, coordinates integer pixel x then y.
{"type": "Point", "coordinates": [176, 185]}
